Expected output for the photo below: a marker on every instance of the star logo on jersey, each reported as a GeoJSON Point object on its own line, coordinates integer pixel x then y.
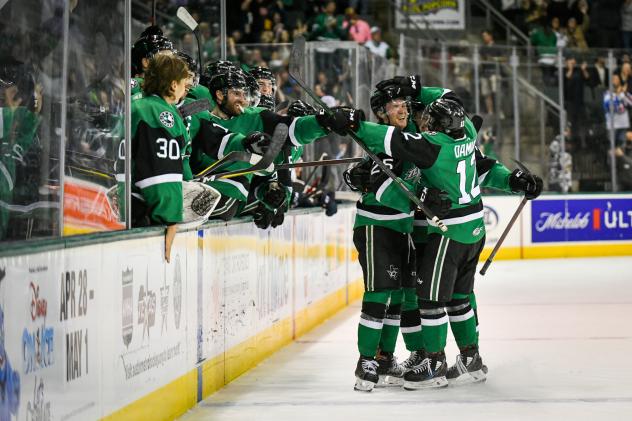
{"type": "Point", "coordinates": [393, 272]}
{"type": "Point", "coordinates": [420, 281]}
{"type": "Point", "coordinates": [413, 174]}
{"type": "Point", "coordinates": [166, 118]}
{"type": "Point", "coordinates": [134, 83]}
{"type": "Point", "coordinates": [476, 231]}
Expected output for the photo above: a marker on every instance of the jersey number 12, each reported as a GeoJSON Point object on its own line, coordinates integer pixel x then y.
{"type": "Point", "coordinates": [475, 190]}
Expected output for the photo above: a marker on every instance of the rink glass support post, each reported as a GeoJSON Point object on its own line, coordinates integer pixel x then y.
{"type": "Point", "coordinates": [542, 131]}
{"type": "Point", "coordinates": [402, 54]}
{"type": "Point", "coordinates": [516, 106]}
{"type": "Point", "coordinates": [420, 58]}
{"type": "Point", "coordinates": [613, 159]}
{"type": "Point", "coordinates": [560, 87]}
{"type": "Point", "coordinates": [128, 113]}
{"type": "Point", "coordinates": [64, 116]}
{"type": "Point", "coordinates": [476, 60]}
{"type": "Point", "coordinates": [444, 64]}
{"type": "Point", "coordinates": [529, 61]}
{"type": "Point", "coordinates": [222, 29]}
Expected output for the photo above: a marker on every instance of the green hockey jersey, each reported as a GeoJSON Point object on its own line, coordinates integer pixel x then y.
{"type": "Point", "coordinates": [159, 138]}
{"type": "Point", "coordinates": [452, 165]}
{"type": "Point", "coordinates": [137, 88]}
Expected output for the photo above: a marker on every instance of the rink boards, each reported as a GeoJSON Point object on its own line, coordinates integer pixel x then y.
{"type": "Point", "coordinates": [110, 330]}
{"type": "Point", "coordinates": [104, 328]}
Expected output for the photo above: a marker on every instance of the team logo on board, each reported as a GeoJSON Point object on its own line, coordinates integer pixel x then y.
{"type": "Point", "coordinates": [177, 292]}
{"type": "Point", "coordinates": [166, 118]}
{"type": "Point", "coordinates": [128, 306]}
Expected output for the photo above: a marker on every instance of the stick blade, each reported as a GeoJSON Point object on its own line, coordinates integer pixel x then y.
{"type": "Point", "coordinates": [186, 18]}
{"type": "Point", "coordinates": [296, 58]}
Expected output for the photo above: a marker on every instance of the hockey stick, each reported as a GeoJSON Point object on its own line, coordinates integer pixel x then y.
{"type": "Point", "coordinates": [296, 57]}
{"type": "Point", "coordinates": [509, 225]}
{"type": "Point", "coordinates": [325, 162]}
{"type": "Point", "coordinates": [258, 162]}
{"type": "Point", "coordinates": [194, 107]}
{"type": "Point", "coordinates": [229, 158]}
{"type": "Point", "coordinates": [186, 18]}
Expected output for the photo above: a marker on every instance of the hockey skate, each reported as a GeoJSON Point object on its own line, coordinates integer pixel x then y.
{"type": "Point", "coordinates": [414, 360]}
{"type": "Point", "coordinates": [430, 374]}
{"type": "Point", "coordinates": [366, 374]}
{"type": "Point", "coordinates": [469, 368]}
{"type": "Point", "coordinates": [390, 373]}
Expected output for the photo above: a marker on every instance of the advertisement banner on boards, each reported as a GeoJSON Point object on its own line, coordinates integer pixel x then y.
{"type": "Point", "coordinates": [598, 219]}
{"type": "Point", "coordinates": [498, 210]}
{"type": "Point", "coordinates": [436, 14]}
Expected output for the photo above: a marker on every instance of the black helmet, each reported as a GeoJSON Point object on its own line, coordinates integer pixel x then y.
{"type": "Point", "coordinates": [381, 97]}
{"type": "Point", "coordinates": [232, 79]}
{"type": "Point", "coordinates": [445, 116]}
{"type": "Point", "coordinates": [191, 64]}
{"type": "Point", "coordinates": [16, 73]}
{"type": "Point", "coordinates": [263, 73]}
{"type": "Point", "coordinates": [215, 68]}
{"type": "Point", "coordinates": [147, 47]}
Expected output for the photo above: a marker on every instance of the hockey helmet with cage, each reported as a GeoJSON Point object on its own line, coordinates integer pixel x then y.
{"type": "Point", "coordinates": [445, 116]}
{"type": "Point", "coordinates": [191, 64]}
{"type": "Point", "coordinates": [214, 68]}
{"type": "Point", "coordinates": [146, 47]}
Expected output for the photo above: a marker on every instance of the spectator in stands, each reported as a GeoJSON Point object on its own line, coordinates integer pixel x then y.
{"type": "Point", "coordinates": [623, 155]}
{"type": "Point", "coordinates": [617, 102]}
{"type": "Point", "coordinates": [560, 32]}
{"type": "Point", "coordinates": [560, 165]}
{"type": "Point", "coordinates": [359, 29]}
{"type": "Point", "coordinates": [625, 74]}
{"type": "Point", "coordinates": [576, 37]}
{"type": "Point", "coordinates": [327, 25]}
{"type": "Point", "coordinates": [489, 78]}
{"type": "Point", "coordinates": [599, 73]}
{"type": "Point", "coordinates": [376, 45]}
{"type": "Point", "coordinates": [575, 79]}
{"type": "Point", "coordinates": [545, 42]}
{"type": "Point", "coordinates": [626, 24]}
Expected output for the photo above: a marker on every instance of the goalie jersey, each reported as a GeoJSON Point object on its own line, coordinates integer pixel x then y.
{"type": "Point", "coordinates": [159, 140]}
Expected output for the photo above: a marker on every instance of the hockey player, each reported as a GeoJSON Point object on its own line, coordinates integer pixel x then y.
{"type": "Point", "coordinates": [446, 154]}
{"type": "Point", "coordinates": [233, 113]}
{"type": "Point", "coordinates": [159, 137]}
{"type": "Point", "coordinates": [212, 141]}
{"type": "Point", "coordinates": [267, 86]}
{"type": "Point", "coordinates": [20, 105]}
{"type": "Point", "coordinates": [151, 42]}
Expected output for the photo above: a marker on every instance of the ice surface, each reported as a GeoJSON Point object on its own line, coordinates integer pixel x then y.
{"type": "Point", "coordinates": [556, 335]}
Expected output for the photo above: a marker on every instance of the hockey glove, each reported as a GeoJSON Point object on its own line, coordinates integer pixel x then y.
{"type": "Point", "coordinates": [300, 109]}
{"type": "Point", "coordinates": [530, 184]}
{"type": "Point", "coordinates": [358, 177]}
{"type": "Point", "coordinates": [409, 85]}
{"type": "Point", "coordinates": [340, 120]}
{"type": "Point", "coordinates": [257, 142]}
{"type": "Point", "coordinates": [436, 200]}
{"type": "Point", "coordinates": [328, 201]}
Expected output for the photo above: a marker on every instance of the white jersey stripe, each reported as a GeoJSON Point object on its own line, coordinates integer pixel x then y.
{"type": "Point", "coordinates": [159, 179]}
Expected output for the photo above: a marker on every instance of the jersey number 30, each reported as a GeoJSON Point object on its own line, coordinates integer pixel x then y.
{"type": "Point", "coordinates": [168, 148]}
{"type": "Point", "coordinates": [475, 190]}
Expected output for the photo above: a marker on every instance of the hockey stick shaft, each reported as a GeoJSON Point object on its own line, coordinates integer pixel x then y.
{"type": "Point", "coordinates": [229, 158]}
{"type": "Point", "coordinates": [503, 236]}
{"type": "Point", "coordinates": [325, 162]}
{"type": "Point", "coordinates": [418, 203]}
